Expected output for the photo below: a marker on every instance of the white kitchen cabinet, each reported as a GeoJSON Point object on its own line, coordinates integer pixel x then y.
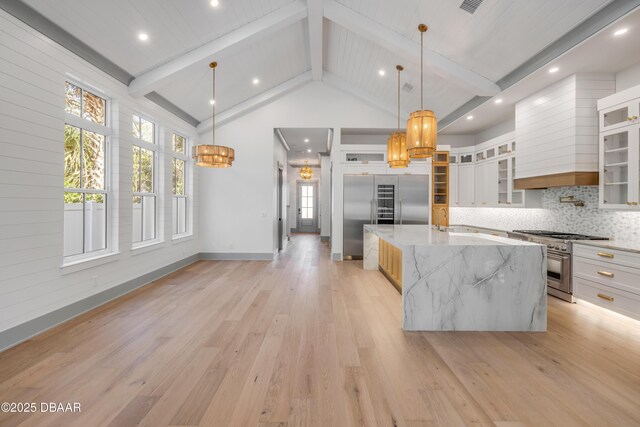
{"type": "Point", "coordinates": [466, 185]}
{"type": "Point", "coordinates": [620, 168]}
{"type": "Point", "coordinates": [453, 185]}
{"type": "Point", "coordinates": [607, 277]}
{"type": "Point", "coordinates": [620, 115]}
{"type": "Point", "coordinates": [486, 184]}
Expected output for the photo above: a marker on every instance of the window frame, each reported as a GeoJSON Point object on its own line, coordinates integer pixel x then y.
{"type": "Point", "coordinates": [154, 147]}
{"type": "Point", "coordinates": [106, 131]}
{"type": "Point", "coordinates": [186, 185]}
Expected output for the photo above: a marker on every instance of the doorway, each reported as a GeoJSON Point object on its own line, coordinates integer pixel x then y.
{"type": "Point", "coordinates": [307, 202]}
{"type": "Point", "coordinates": [280, 221]}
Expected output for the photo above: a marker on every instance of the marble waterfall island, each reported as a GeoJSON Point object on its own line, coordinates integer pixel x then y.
{"type": "Point", "coordinates": [461, 281]}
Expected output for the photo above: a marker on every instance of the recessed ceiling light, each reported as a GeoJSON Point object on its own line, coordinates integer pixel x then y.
{"type": "Point", "coordinates": [143, 36]}
{"type": "Point", "coordinates": [214, 3]}
{"type": "Point", "coordinates": [621, 31]}
{"type": "Point", "coordinates": [469, 117]}
{"type": "Point", "coordinates": [498, 101]}
{"type": "Point", "coordinates": [554, 70]}
{"type": "Point", "coordinates": [308, 150]}
{"type": "Point", "coordinates": [212, 101]}
{"type": "Point", "coordinates": [306, 140]}
{"type": "Point", "coordinates": [256, 81]}
{"type": "Point", "coordinates": [381, 72]}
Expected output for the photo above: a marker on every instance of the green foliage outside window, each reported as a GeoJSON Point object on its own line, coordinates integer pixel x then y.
{"type": "Point", "coordinates": [84, 151]}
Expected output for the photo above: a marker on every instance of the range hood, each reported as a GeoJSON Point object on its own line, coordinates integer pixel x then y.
{"type": "Point", "coordinates": [557, 133]}
{"type": "Point", "coordinates": [566, 179]}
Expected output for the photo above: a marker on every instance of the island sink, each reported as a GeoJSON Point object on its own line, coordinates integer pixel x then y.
{"type": "Point", "coordinates": [460, 281]}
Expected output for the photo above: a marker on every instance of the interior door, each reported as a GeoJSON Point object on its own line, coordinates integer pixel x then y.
{"type": "Point", "coordinates": [280, 210]}
{"type": "Point", "coordinates": [307, 207]}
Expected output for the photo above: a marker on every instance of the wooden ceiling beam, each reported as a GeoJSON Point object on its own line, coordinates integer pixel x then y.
{"type": "Point", "coordinates": [316, 37]}
{"type": "Point", "coordinates": [394, 42]}
{"type": "Point", "coordinates": [281, 18]}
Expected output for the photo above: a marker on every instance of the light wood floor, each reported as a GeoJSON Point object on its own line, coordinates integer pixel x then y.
{"type": "Point", "coordinates": [306, 341]}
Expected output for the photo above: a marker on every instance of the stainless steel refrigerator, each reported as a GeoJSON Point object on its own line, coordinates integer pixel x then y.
{"type": "Point", "coordinates": [381, 199]}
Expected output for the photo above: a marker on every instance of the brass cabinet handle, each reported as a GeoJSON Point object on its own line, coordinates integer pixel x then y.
{"type": "Point", "coordinates": [606, 297]}
{"type": "Point", "coordinates": [605, 273]}
{"type": "Point", "coordinates": [605, 255]}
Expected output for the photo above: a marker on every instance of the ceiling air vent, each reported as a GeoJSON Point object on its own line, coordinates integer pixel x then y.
{"type": "Point", "coordinates": [471, 5]}
{"type": "Point", "coordinates": [407, 87]}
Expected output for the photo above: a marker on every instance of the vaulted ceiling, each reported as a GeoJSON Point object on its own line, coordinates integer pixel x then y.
{"type": "Point", "coordinates": [343, 42]}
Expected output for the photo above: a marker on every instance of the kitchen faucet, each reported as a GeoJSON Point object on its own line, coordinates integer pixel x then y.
{"type": "Point", "coordinates": [438, 212]}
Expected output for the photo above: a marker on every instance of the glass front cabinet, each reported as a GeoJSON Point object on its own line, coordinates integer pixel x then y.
{"type": "Point", "coordinates": [620, 168]}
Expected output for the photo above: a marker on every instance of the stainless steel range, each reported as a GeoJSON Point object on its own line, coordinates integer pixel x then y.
{"type": "Point", "coordinates": [559, 249]}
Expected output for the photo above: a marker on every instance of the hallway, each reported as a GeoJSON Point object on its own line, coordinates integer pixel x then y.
{"type": "Point", "coordinates": [306, 341]}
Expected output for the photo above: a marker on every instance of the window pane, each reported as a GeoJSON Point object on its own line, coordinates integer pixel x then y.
{"type": "Point", "coordinates": [179, 143]}
{"type": "Point", "coordinates": [73, 207]}
{"type": "Point", "coordinates": [93, 108]}
{"type": "Point", "coordinates": [310, 191]}
{"type": "Point", "coordinates": [309, 202]}
{"type": "Point", "coordinates": [137, 219]}
{"type": "Point", "coordinates": [95, 222]}
{"type": "Point", "coordinates": [304, 191]}
{"type": "Point", "coordinates": [173, 176]}
{"type": "Point", "coordinates": [136, 169]}
{"type": "Point", "coordinates": [72, 157]}
{"type": "Point", "coordinates": [174, 211]}
{"type": "Point", "coordinates": [148, 218]}
{"type": "Point", "coordinates": [146, 171]}
{"type": "Point", "coordinates": [146, 130]}
{"type": "Point", "coordinates": [72, 99]}
{"type": "Point", "coordinates": [93, 160]}
{"type": "Point", "coordinates": [182, 215]}
{"type": "Point", "coordinates": [304, 202]}
{"type": "Point", "coordinates": [178, 176]}
{"type": "Point", "coordinates": [136, 127]}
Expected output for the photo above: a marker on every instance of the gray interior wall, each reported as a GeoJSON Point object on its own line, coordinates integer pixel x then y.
{"type": "Point", "coordinates": [628, 77]}
{"type": "Point", "coordinates": [495, 131]}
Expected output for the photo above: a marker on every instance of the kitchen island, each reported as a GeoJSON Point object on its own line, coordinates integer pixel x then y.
{"type": "Point", "coordinates": [461, 281]}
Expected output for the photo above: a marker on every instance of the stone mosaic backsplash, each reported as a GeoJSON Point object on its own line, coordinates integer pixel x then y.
{"type": "Point", "coordinates": [554, 216]}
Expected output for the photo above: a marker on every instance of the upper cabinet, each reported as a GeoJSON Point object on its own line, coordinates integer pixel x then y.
{"type": "Point", "coordinates": [620, 168]}
{"type": "Point", "coordinates": [619, 150]}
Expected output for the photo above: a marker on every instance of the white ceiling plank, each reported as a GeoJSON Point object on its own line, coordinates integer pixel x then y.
{"type": "Point", "coordinates": [274, 21]}
{"type": "Point", "coordinates": [315, 18]}
{"type": "Point", "coordinates": [346, 87]}
{"type": "Point", "coordinates": [255, 102]}
{"type": "Point", "coordinates": [394, 42]}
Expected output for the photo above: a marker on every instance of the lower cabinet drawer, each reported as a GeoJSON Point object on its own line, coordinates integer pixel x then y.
{"type": "Point", "coordinates": [605, 296]}
{"type": "Point", "coordinates": [616, 276]}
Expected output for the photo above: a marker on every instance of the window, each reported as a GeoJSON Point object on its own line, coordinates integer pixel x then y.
{"type": "Point", "coordinates": [307, 202]}
{"type": "Point", "coordinates": [179, 183]}
{"type": "Point", "coordinates": [86, 187]}
{"type": "Point", "coordinates": [145, 194]}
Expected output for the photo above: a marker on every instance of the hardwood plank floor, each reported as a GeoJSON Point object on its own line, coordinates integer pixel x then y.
{"type": "Point", "coordinates": [306, 341]}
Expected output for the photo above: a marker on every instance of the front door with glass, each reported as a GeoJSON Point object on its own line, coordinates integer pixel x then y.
{"type": "Point", "coordinates": [307, 207]}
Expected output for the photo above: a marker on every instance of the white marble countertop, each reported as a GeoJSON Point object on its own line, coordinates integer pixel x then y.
{"type": "Point", "coordinates": [426, 235]}
{"type": "Point", "coordinates": [621, 245]}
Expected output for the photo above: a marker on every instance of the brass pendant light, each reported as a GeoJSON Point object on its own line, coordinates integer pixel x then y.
{"type": "Point", "coordinates": [212, 155]}
{"type": "Point", "coordinates": [422, 126]}
{"type": "Point", "coordinates": [397, 154]}
{"type": "Point", "coordinates": [306, 172]}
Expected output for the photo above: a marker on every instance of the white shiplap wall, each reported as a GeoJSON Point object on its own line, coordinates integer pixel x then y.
{"type": "Point", "coordinates": [557, 128]}
{"type": "Point", "coordinates": [33, 70]}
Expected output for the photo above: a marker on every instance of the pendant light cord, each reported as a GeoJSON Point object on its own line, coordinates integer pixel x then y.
{"type": "Point", "coordinates": [421, 70]}
{"type": "Point", "coordinates": [213, 106]}
{"type": "Point", "coordinates": [398, 68]}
